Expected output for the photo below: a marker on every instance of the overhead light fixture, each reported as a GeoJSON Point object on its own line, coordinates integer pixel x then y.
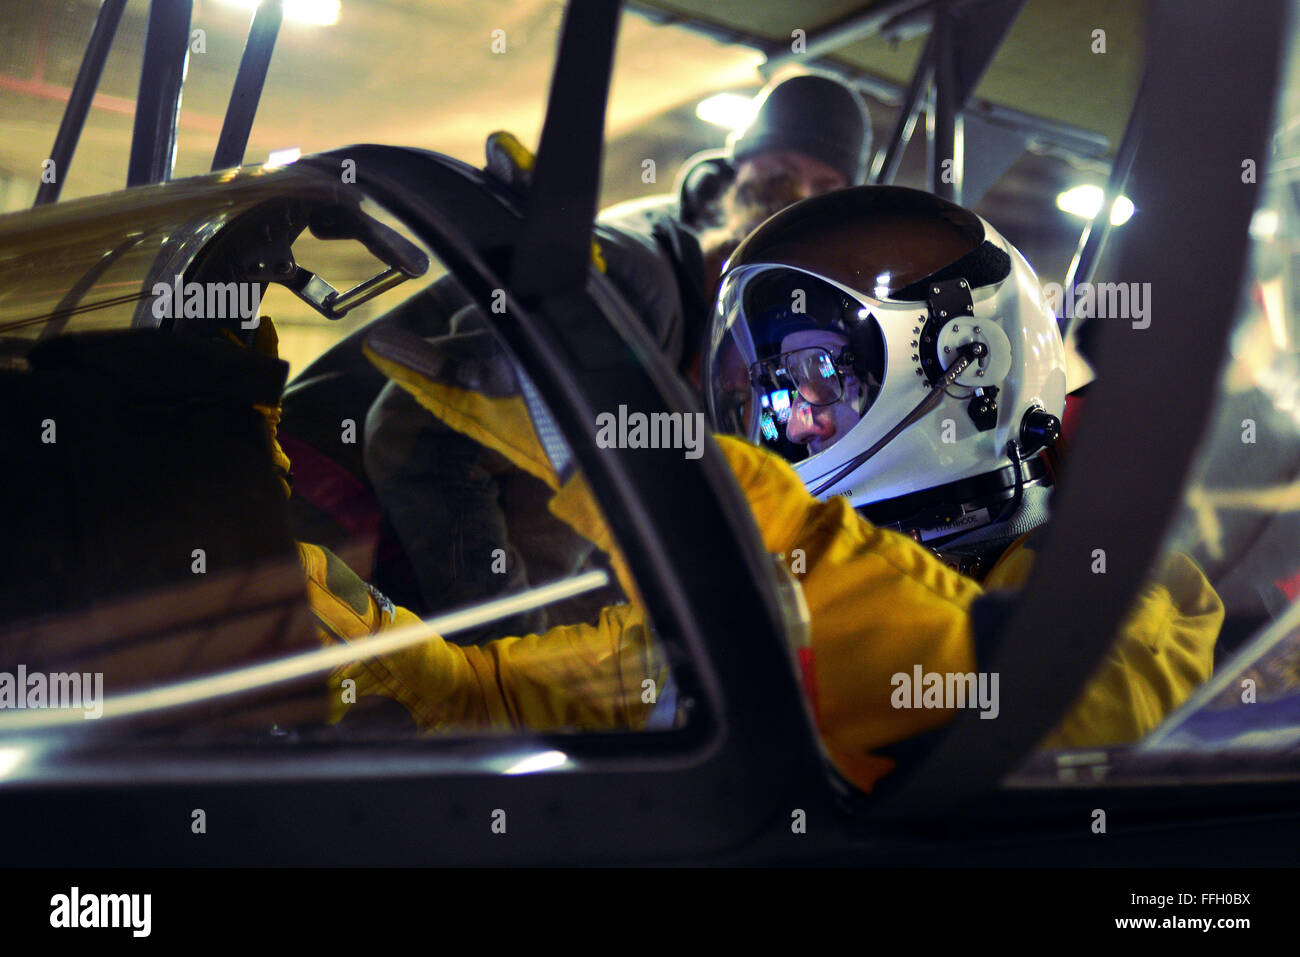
{"type": "Point", "coordinates": [317, 13]}
{"type": "Point", "coordinates": [1085, 202]}
{"type": "Point", "coordinates": [729, 110]}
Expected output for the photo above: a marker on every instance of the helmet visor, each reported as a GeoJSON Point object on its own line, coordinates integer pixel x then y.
{"type": "Point", "coordinates": [794, 361]}
{"type": "Point", "coordinates": [813, 373]}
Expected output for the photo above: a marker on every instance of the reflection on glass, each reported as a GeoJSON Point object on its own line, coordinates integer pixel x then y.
{"type": "Point", "coordinates": [1241, 521]}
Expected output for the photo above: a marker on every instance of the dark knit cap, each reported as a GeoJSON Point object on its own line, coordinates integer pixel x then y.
{"type": "Point", "coordinates": [814, 115]}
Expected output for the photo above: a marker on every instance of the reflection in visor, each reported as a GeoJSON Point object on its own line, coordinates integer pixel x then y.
{"type": "Point", "coordinates": [795, 379]}
{"type": "Point", "coordinates": [812, 372]}
{"type": "Point", "coordinates": [767, 424]}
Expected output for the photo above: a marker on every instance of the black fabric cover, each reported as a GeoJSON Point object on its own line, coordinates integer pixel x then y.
{"type": "Point", "coordinates": [157, 451]}
{"type": "Point", "coordinates": [983, 266]}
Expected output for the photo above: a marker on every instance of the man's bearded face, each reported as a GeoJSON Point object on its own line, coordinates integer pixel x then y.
{"type": "Point", "coordinates": [768, 183]}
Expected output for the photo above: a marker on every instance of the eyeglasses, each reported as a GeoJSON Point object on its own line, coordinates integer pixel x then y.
{"type": "Point", "coordinates": [813, 372]}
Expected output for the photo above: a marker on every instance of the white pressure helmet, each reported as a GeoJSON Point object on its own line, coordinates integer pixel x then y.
{"type": "Point", "coordinates": [899, 352]}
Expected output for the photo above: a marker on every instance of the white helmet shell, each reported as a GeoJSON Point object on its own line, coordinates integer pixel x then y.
{"type": "Point", "coordinates": [861, 275]}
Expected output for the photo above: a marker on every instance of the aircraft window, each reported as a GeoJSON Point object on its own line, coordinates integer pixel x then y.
{"type": "Point", "coordinates": [76, 287]}
{"type": "Point", "coordinates": [438, 567]}
{"type": "Point", "coordinates": [474, 497]}
{"type": "Point", "coordinates": [1240, 524]}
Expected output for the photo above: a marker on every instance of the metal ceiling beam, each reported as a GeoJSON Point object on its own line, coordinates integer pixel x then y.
{"type": "Point", "coordinates": [1076, 140]}
{"type": "Point", "coordinates": [859, 26]}
{"type": "Point", "coordinates": [943, 128]}
{"type": "Point", "coordinates": [913, 23]}
{"type": "Point", "coordinates": [1092, 241]}
{"type": "Point", "coordinates": [884, 165]}
{"type": "Point", "coordinates": [79, 100]}
{"type": "Point", "coordinates": [981, 29]}
{"type": "Point", "coordinates": [990, 150]}
{"type": "Point", "coordinates": [158, 107]}
{"type": "Point", "coordinates": [965, 39]}
{"type": "Point", "coordinates": [250, 79]}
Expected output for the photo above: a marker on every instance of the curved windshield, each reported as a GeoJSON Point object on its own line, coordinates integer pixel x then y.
{"type": "Point", "coordinates": [214, 557]}
{"type": "Point", "coordinates": [1239, 522]}
{"type": "Point", "coordinates": [90, 265]}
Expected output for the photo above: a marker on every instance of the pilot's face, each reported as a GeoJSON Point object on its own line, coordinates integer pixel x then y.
{"type": "Point", "coordinates": [821, 426]}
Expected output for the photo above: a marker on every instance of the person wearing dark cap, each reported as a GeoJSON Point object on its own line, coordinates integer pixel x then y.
{"type": "Point", "coordinates": [813, 116]}
{"type": "Point", "coordinates": [809, 134]}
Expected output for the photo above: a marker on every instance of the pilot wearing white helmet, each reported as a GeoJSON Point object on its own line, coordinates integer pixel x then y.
{"type": "Point", "coordinates": [898, 352]}
{"type": "Point", "coordinates": [890, 373]}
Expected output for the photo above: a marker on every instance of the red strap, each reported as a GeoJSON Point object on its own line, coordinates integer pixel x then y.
{"type": "Point", "coordinates": [322, 482]}
{"type": "Point", "coordinates": [1290, 586]}
{"type": "Point", "coordinates": [808, 671]}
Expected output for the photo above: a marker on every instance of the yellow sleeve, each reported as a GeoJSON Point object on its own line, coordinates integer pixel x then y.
{"type": "Point", "coordinates": [879, 603]}
{"type": "Point", "coordinates": [1163, 652]}
{"type": "Point", "coordinates": [581, 676]}
{"type": "Point", "coordinates": [572, 677]}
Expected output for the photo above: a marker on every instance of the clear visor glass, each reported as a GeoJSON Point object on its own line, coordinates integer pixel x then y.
{"type": "Point", "coordinates": [813, 372]}
{"type": "Point", "coordinates": [793, 379]}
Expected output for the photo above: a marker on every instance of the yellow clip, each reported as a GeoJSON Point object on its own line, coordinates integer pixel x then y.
{"type": "Point", "coordinates": [517, 152]}
{"type": "Point", "coordinates": [521, 158]}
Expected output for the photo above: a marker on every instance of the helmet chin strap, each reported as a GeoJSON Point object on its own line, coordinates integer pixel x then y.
{"type": "Point", "coordinates": [966, 354]}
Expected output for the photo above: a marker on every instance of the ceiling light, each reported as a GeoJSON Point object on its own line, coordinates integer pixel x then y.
{"type": "Point", "coordinates": [10, 760]}
{"type": "Point", "coordinates": [730, 110]}
{"type": "Point", "coordinates": [319, 13]}
{"type": "Point", "coordinates": [1121, 211]}
{"type": "Point", "coordinates": [1085, 202]}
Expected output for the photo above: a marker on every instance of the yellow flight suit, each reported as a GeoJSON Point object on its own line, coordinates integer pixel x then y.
{"type": "Point", "coordinates": [879, 602]}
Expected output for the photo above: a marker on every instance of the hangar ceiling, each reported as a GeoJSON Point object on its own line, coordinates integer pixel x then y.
{"type": "Point", "coordinates": [412, 72]}
{"type": "Point", "coordinates": [423, 73]}
{"type": "Point", "coordinates": [1046, 67]}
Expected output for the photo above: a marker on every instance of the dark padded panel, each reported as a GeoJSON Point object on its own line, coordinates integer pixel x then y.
{"type": "Point", "coordinates": [157, 451]}
{"type": "Point", "coordinates": [983, 266]}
